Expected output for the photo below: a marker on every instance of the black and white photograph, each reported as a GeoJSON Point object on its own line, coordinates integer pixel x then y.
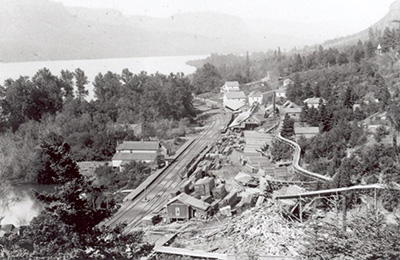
{"type": "Point", "coordinates": [200, 129]}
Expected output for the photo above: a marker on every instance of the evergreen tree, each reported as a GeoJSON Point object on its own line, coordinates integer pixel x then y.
{"type": "Point", "coordinates": [325, 118]}
{"type": "Point", "coordinates": [348, 98]}
{"type": "Point", "coordinates": [388, 40]}
{"type": "Point", "coordinates": [369, 50]}
{"type": "Point", "coordinates": [317, 92]}
{"type": "Point", "coordinates": [279, 54]}
{"type": "Point", "coordinates": [393, 114]}
{"type": "Point", "coordinates": [304, 116]}
{"type": "Point", "coordinates": [57, 165]}
{"type": "Point", "coordinates": [298, 63]}
{"type": "Point", "coordinates": [81, 81]}
{"type": "Point", "coordinates": [287, 127]}
{"type": "Point", "coordinates": [381, 90]}
{"type": "Point", "coordinates": [68, 84]}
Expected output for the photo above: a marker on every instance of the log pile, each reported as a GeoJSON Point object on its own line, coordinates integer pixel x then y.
{"type": "Point", "coordinates": [258, 231]}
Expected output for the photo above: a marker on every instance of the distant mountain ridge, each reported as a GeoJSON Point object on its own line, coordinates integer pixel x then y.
{"type": "Point", "coordinates": [391, 20]}
{"type": "Point", "coordinates": [47, 30]}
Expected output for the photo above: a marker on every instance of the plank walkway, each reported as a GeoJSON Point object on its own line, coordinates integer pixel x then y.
{"type": "Point", "coordinates": [336, 191]}
{"type": "Point", "coordinates": [296, 159]}
{"type": "Point", "coordinates": [192, 253]}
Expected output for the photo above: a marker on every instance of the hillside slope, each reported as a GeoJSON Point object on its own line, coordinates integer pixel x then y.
{"type": "Point", "coordinates": [46, 30]}
{"type": "Point", "coordinates": [391, 20]}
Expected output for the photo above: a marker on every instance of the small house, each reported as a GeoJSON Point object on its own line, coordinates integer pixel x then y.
{"type": "Point", "coordinates": [230, 86]}
{"type": "Point", "coordinates": [256, 96]}
{"type": "Point", "coordinates": [307, 132]}
{"type": "Point", "coordinates": [287, 82]}
{"type": "Point", "coordinates": [185, 207]}
{"type": "Point", "coordinates": [280, 93]}
{"type": "Point", "coordinates": [314, 101]}
{"type": "Point", "coordinates": [294, 113]}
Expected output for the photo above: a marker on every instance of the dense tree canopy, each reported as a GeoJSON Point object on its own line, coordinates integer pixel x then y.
{"type": "Point", "coordinates": [207, 79]}
{"type": "Point", "coordinates": [91, 129]}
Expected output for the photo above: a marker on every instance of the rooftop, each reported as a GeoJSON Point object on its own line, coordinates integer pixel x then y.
{"type": "Point", "coordinates": [292, 110]}
{"type": "Point", "coordinates": [256, 93]}
{"type": "Point", "coordinates": [139, 145]}
{"type": "Point", "coordinates": [314, 100]}
{"type": "Point", "coordinates": [240, 118]}
{"type": "Point", "coordinates": [306, 130]}
{"type": "Point", "coordinates": [204, 180]}
{"type": "Point", "coordinates": [231, 84]}
{"type": "Point", "coordinates": [234, 104]}
{"type": "Point", "coordinates": [289, 104]}
{"type": "Point", "coordinates": [233, 95]}
{"type": "Point", "coordinates": [134, 156]}
{"type": "Point", "coordinates": [191, 201]}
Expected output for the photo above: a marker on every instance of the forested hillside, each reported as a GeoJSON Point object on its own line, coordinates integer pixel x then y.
{"type": "Point", "coordinates": [356, 82]}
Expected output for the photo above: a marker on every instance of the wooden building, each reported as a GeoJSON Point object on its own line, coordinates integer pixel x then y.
{"type": "Point", "coordinates": [230, 86]}
{"type": "Point", "coordinates": [185, 207]}
{"type": "Point", "coordinates": [144, 151]}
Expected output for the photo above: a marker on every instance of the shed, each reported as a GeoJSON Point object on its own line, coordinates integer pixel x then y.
{"type": "Point", "coordinates": [184, 207]}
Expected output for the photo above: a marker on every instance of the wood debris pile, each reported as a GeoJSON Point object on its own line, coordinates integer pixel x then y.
{"type": "Point", "coordinates": [258, 231]}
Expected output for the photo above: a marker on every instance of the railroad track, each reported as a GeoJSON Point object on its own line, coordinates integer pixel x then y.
{"type": "Point", "coordinates": [157, 193]}
{"type": "Point", "coordinates": [158, 201]}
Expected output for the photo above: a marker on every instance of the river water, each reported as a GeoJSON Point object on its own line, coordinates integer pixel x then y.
{"type": "Point", "coordinates": [164, 65]}
{"type": "Point", "coordinates": [18, 207]}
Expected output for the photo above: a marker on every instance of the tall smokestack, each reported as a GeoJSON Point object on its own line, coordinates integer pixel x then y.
{"type": "Point", "coordinates": [273, 101]}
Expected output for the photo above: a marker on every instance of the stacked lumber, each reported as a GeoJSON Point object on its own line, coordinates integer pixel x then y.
{"type": "Point", "coordinates": [219, 192]}
{"type": "Point", "coordinates": [260, 230]}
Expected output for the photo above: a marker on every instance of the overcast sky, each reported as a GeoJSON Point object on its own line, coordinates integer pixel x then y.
{"type": "Point", "coordinates": [357, 14]}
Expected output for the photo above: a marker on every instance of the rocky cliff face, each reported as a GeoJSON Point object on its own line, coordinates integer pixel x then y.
{"type": "Point", "coordinates": [391, 20]}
